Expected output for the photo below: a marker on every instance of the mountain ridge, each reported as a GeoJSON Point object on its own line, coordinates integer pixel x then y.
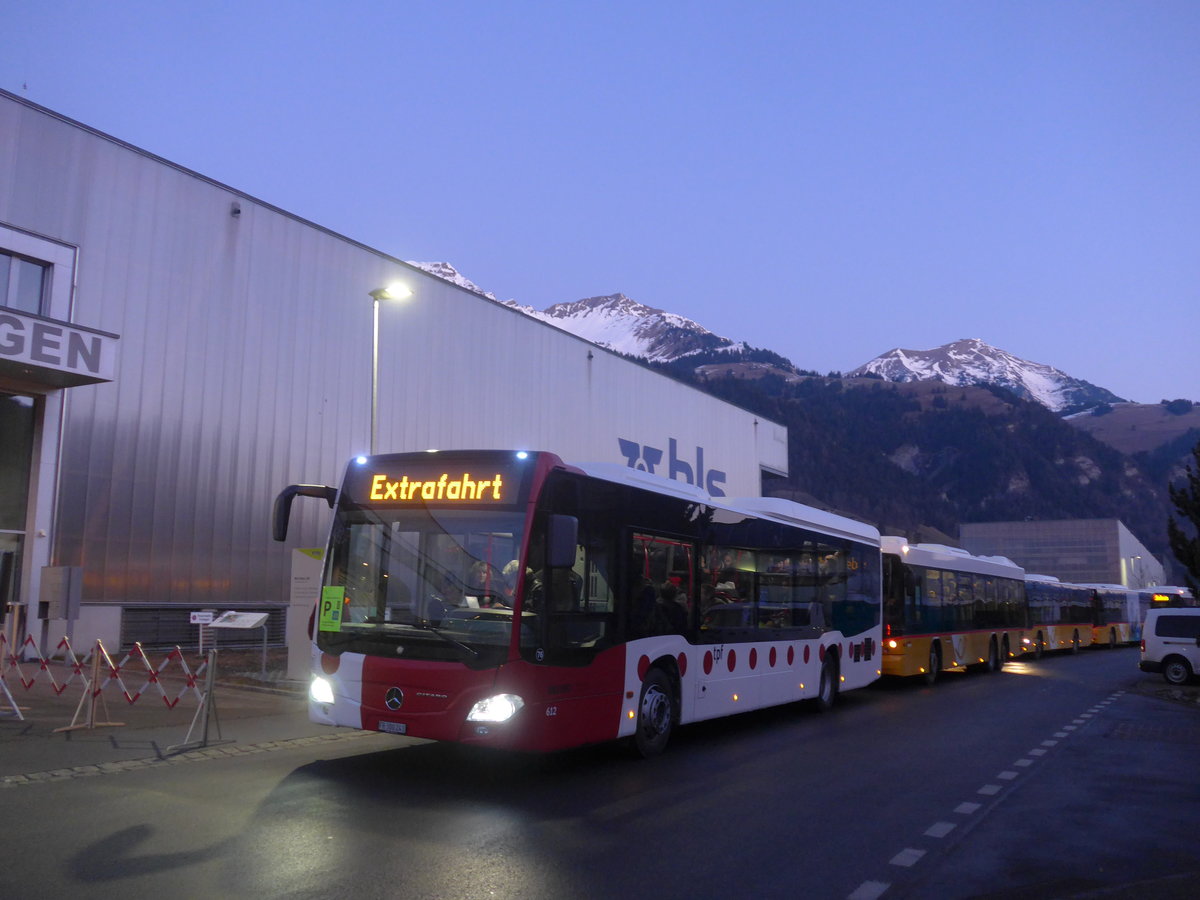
{"type": "Point", "coordinates": [972, 361]}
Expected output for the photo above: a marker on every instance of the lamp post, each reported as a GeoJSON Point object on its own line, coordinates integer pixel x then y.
{"type": "Point", "coordinates": [394, 291]}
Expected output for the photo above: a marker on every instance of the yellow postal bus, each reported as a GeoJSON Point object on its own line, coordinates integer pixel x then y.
{"type": "Point", "coordinates": [1060, 615]}
{"type": "Point", "coordinates": [945, 609]}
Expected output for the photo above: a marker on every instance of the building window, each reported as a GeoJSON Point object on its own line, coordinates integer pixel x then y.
{"type": "Point", "coordinates": [22, 283]}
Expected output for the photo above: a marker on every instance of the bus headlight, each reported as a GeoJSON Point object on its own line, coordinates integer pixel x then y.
{"type": "Point", "coordinates": [499, 708]}
{"type": "Point", "coordinates": [320, 691]}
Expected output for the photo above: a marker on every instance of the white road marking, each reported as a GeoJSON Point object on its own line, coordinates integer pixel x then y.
{"type": "Point", "coordinates": [939, 829]}
{"type": "Point", "coordinates": [907, 857]}
{"type": "Point", "coordinates": [869, 890]}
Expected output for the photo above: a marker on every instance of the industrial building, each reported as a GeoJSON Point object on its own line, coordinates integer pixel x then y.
{"type": "Point", "coordinates": [1081, 551]}
{"type": "Point", "coordinates": [173, 352]}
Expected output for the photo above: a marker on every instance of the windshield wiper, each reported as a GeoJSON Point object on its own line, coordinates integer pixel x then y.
{"type": "Point", "coordinates": [425, 626]}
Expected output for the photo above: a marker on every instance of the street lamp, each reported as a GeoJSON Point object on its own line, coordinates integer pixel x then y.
{"type": "Point", "coordinates": [394, 291]}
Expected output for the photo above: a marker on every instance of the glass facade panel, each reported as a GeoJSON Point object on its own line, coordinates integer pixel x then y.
{"type": "Point", "coordinates": [16, 453]}
{"type": "Point", "coordinates": [22, 283]}
{"type": "Point", "coordinates": [16, 449]}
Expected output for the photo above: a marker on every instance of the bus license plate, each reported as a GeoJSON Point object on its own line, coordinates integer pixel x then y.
{"type": "Point", "coordinates": [394, 727]}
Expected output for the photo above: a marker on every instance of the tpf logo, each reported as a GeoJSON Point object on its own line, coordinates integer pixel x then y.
{"type": "Point", "coordinates": [646, 458]}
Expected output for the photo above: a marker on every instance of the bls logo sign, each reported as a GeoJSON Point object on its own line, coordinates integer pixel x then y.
{"type": "Point", "coordinates": [646, 459]}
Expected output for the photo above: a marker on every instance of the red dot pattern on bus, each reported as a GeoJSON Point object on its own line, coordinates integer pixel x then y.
{"type": "Point", "coordinates": [330, 663]}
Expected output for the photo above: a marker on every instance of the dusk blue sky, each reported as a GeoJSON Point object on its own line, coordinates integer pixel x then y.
{"type": "Point", "coordinates": [825, 179]}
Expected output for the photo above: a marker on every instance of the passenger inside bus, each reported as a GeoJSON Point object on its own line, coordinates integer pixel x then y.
{"type": "Point", "coordinates": [674, 612]}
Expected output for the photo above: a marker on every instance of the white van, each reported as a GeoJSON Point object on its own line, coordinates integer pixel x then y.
{"type": "Point", "coordinates": [1171, 644]}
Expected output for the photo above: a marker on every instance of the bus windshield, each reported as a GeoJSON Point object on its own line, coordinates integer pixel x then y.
{"type": "Point", "coordinates": [434, 584]}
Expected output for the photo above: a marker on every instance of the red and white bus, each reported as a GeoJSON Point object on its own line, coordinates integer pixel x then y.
{"type": "Point", "coordinates": [507, 599]}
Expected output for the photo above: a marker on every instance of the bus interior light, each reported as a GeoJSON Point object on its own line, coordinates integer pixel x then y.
{"type": "Point", "coordinates": [320, 691]}
{"type": "Point", "coordinates": [498, 708]}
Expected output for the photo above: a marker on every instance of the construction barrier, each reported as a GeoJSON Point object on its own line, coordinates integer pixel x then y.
{"type": "Point", "coordinates": [98, 673]}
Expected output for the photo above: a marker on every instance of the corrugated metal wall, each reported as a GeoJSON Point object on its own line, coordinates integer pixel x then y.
{"type": "Point", "coordinates": [244, 365]}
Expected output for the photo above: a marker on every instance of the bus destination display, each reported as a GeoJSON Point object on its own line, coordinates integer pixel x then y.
{"type": "Point", "coordinates": [384, 482]}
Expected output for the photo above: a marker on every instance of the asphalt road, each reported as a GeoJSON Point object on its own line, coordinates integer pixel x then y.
{"type": "Point", "coordinates": [1066, 777]}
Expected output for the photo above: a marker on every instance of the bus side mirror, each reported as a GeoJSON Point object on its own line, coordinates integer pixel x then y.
{"type": "Point", "coordinates": [283, 504]}
{"type": "Point", "coordinates": [562, 536]}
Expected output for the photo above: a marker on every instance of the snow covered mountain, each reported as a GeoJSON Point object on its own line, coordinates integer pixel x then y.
{"type": "Point", "coordinates": [971, 361]}
{"type": "Point", "coordinates": [615, 321]}
{"type": "Point", "coordinates": [626, 326]}
{"type": "Point", "coordinates": [447, 272]}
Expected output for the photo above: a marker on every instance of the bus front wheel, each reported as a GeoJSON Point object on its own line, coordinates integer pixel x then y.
{"type": "Point", "coordinates": [656, 714]}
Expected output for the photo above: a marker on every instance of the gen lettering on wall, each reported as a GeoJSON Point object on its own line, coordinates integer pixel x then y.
{"type": "Point", "coordinates": [60, 352]}
{"type": "Point", "coordinates": [649, 459]}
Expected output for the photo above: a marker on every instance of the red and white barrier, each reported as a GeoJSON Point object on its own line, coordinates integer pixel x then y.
{"type": "Point", "coordinates": [98, 672]}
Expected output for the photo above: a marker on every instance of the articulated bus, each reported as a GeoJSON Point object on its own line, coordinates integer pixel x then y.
{"type": "Point", "coordinates": [507, 599]}
{"type": "Point", "coordinates": [946, 609]}
{"type": "Point", "coordinates": [1115, 616]}
{"type": "Point", "coordinates": [1060, 615]}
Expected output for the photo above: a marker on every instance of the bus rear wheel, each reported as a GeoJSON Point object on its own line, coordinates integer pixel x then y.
{"type": "Point", "coordinates": [1075, 642]}
{"type": "Point", "coordinates": [656, 714]}
{"type": "Point", "coordinates": [993, 658]}
{"type": "Point", "coordinates": [935, 663]}
{"type": "Point", "coordinates": [827, 687]}
{"type": "Point", "coordinates": [1039, 646]}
